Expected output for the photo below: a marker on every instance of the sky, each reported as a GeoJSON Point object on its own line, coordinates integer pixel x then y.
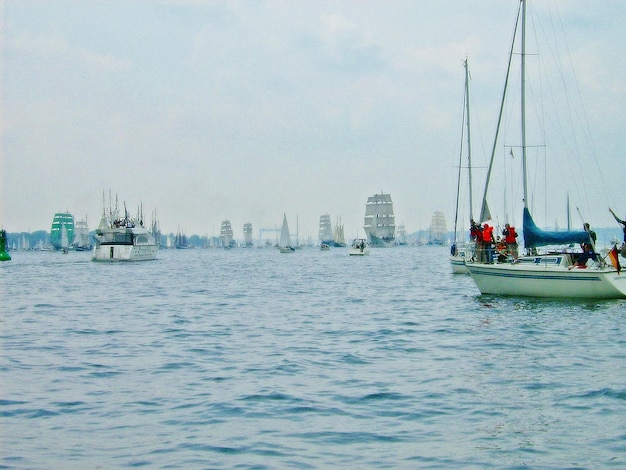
{"type": "Point", "coordinates": [245, 110]}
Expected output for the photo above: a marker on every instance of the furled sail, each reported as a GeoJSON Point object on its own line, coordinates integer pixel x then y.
{"type": "Point", "coordinates": [534, 236]}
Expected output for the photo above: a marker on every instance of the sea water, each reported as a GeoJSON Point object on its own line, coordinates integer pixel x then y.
{"type": "Point", "coordinates": [249, 358]}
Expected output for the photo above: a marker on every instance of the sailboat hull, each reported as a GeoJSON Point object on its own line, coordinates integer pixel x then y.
{"type": "Point", "coordinates": [543, 280]}
{"type": "Point", "coordinates": [457, 263]}
{"type": "Point", "coordinates": [462, 255]}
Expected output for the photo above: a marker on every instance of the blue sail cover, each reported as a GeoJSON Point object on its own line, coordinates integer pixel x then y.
{"type": "Point", "coordinates": [534, 236]}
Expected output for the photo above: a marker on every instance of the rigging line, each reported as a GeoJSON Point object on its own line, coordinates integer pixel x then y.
{"type": "Point", "coordinates": [587, 129]}
{"type": "Point", "coordinates": [484, 206]}
{"type": "Point", "coordinates": [458, 183]}
{"type": "Point", "coordinates": [583, 116]}
{"type": "Point", "coordinates": [571, 110]}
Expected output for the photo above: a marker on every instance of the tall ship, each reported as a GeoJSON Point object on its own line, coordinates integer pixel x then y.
{"type": "Point", "coordinates": [155, 230]}
{"type": "Point", "coordinates": [325, 230]}
{"type": "Point", "coordinates": [380, 222]}
{"type": "Point", "coordinates": [122, 238]}
{"type": "Point", "coordinates": [339, 237]}
{"type": "Point", "coordinates": [438, 230]}
{"type": "Point", "coordinates": [226, 235]}
{"type": "Point", "coordinates": [401, 238]}
{"type": "Point", "coordinates": [82, 241]}
{"type": "Point", "coordinates": [180, 241]}
{"type": "Point", "coordinates": [247, 235]}
{"type": "Point", "coordinates": [62, 227]}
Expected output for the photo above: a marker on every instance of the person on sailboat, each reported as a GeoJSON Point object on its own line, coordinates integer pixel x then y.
{"type": "Point", "coordinates": [510, 238]}
{"type": "Point", "coordinates": [623, 222]}
{"type": "Point", "coordinates": [592, 235]}
{"type": "Point", "coordinates": [589, 253]}
{"type": "Point", "coordinates": [501, 250]}
{"type": "Point", "coordinates": [477, 237]}
{"type": "Point", "coordinates": [488, 243]}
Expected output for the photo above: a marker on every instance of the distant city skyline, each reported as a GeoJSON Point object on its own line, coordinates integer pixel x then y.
{"type": "Point", "coordinates": [206, 111]}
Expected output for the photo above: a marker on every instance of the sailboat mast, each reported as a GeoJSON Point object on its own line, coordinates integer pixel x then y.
{"type": "Point", "coordinates": [469, 139]}
{"type": "Point", "coordinates": [523, 103]}
{"type": "Point", "coordinates": [484, 209]}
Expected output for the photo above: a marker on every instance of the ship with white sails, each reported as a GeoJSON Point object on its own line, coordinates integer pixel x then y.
{"type": "Point", "coordinates": [339, 238]}
{"type": "Point", "coordinates": [438, 233]}
{"type": "Point", "coordinates": [284, 244]}
{"type": "Point", "coordinates": [325, 230]}
{"type": "Point", "coordinates": [82, 240]}
{"type": "Point", "coordinates": [329, 237]}
{"type": "Point", "coordinates": [226, 234]}
{"type": "Point", "coordinates": [379, 223]}
{"type": "Point", "coordinates": [247, 235]}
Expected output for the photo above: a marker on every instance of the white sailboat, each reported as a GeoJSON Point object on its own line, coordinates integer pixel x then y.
{"type": "Point", "coordinates": [247, 235]}
{"type": "Point", "coordinates": [339, 238]}
{"type": "Point", "coordinates": [554, 274]}
{"type": "Point", "coordinates": [438, 234]}
{"type": "Point", "coordinates": [461, 251]}
{"type": "Point", "coordinates": [65, 239]}
{"type": "Point", "coordinates": [325, 230]}
{"type": "Point", "coordinates": [81, 236]}
{"type": "Point", "coordinates": [284, 244]}
{"type": "Point", "coordinates": [226, 235]}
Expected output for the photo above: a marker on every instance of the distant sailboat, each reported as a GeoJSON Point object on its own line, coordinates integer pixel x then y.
{"type": "Point", "coordinates": [379, 223]}
{"type": "Point", "coordinates": [401, 238]}
{"type": "Point", "coordinates": [284, 245]}
{"type": "Point", "coordinates": [155, 229]}
{"type": "Point", "coordinates": [247, 235]}
{"type": "Point", "coordinates": [65, 240]}
{"type": "Point", "coordinates": [339, 237]}
{"type": "Point", "coordinates": [60, 219]}
{"type": "Point", "coordinates": [325, 230]}
{"type": "Point", "coordinates": [82, 241]}
{"type": "Point", "coordinates": [438, 230]}
{"type": "Point", "coordinates": [181, 242]}
{"type": "Point", "coordinates": [226, 235]}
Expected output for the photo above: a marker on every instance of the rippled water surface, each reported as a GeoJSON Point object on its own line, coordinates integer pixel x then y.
{"type": "Point", "coordinates": [256, 359]}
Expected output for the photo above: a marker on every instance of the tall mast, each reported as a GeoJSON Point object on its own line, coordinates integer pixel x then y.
{"type": "Point", "coordinates": [484, 210]}
{"type": "Point", "coordinates": [469, 139]}
{"type": "Point", "coordinates": [523, 103]}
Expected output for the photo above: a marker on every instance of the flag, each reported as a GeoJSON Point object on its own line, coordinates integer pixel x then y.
{"type": "Point", "coordinates": [613, 254]}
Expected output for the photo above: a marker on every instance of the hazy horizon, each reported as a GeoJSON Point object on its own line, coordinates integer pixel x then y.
{"type": "Point", "coordinates": [206, 111]}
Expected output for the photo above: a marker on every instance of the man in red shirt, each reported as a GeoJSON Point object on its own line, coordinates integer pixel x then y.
{"type": "Point", "coordinates": [510, 236]}
{"type": "Point", "coordinates": [488, 242]}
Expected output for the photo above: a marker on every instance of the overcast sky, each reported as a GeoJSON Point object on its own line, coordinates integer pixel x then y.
{"type": "Point", "coordinates": [243, 110]}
